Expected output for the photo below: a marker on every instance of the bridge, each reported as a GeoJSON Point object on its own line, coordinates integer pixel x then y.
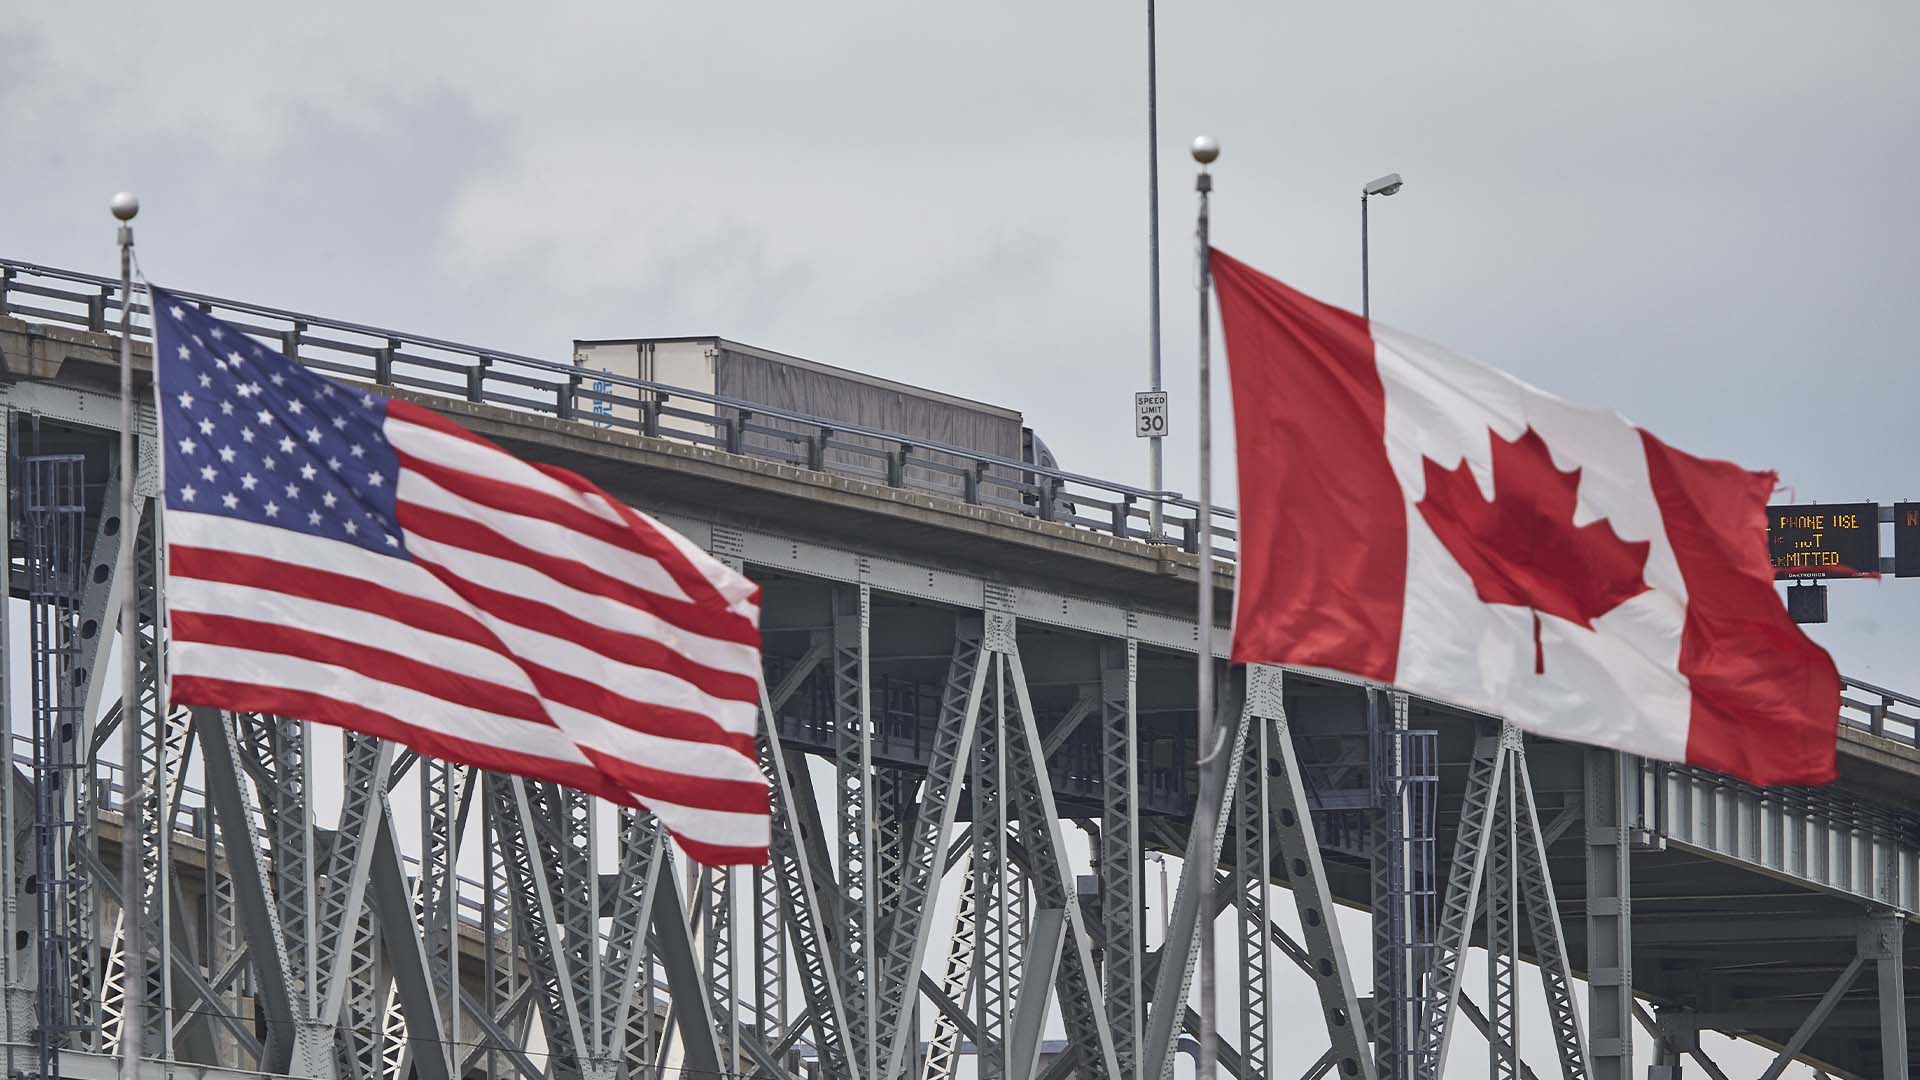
{"type": "Point", "coordinates": [969, 685]}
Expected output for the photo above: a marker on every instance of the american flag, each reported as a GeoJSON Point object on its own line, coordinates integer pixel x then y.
{"type": "Point", "coordinates": [339, 556]}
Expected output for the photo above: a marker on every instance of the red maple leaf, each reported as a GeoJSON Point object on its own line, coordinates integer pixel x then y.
{"type": "Point", "coordinates": [1523, 548]}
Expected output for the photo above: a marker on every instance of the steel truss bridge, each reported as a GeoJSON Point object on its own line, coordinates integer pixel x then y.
{"type": "Point", "coordinates": [968, 683]}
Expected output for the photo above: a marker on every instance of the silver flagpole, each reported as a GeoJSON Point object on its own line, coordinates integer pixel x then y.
{"type": "Point", "coordinates": [1207, 813]}
{"type": "Point", "coordinates": [133, 949]}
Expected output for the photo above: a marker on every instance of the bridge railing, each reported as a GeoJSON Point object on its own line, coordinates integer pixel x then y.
{"type": "Point", "coordinates": [1887, 713]}
{"type": "Point", "coordinates": [450, 369]}
{"type": "Point", "coordinates": [641, 407]}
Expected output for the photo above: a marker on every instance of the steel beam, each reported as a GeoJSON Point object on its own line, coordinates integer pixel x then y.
{"type": "Point", "coordinates": [1609, 778]}
{"type": "Point", "coordinates": [1119, 865]}
{"type": "Point", "coordinates": [430, 1049]}
{"type": "Point", "coordinates": [1081, 1007]}
{"type": "Point", "coordinates": [694, 1019]}
{"type": "Point", "coordinates": [1292, 825]}
{"type": "Point", "coordinates": [1821, 1010]}
{"type": "Point", "coordinates": [1549, 937]}
{"type": "Point", "coordinates": [1202, 856]}
{"type": "Point", "coordinates": [642, 853]}
{"type": "Point", "coordinates": [903, 944]}
{"type": "Point", "coordinates": [798, 855]}
{"type": "Point", "coordinates": [1043, 946]}
{"type": "Point", "coordinates": [1471, 844]}
{"type": "Point", "coordinates": [1252, 866]}
{"type": "Point", "coordinates": [1882, 940]}
{"type": "Point", "coordinates": [854, 775]}
{"type": "Point", "coordinates": [232, 801]}
{"type": "Point", "coordinates": [1503, 946]}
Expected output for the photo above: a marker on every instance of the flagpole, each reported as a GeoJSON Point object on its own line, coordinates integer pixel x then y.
{"type": "Point", "coordinates": [133, 949]}
{"type": "Point", "coordinates": [1207, 812]}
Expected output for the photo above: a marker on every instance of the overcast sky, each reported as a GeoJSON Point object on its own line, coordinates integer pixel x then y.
{"type": "Point", "coordinates": [1696, 213]}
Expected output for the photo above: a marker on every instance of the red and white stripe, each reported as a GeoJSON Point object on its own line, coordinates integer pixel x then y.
{"type": "Point", "coordinates": [540, 627]}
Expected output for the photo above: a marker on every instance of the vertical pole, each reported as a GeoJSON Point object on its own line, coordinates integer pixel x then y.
{"type": "Point", "coordinates": [1503, 1051]}
{"type": "Point", "coordinates": [1120, 852]}
{"type": "Point", "coordinates": [1609, 915]}
{"type": "Point", "coordinates": [1155, 474]}
{"type": "Point", "coordinates": [1889, 931]}
{"type": "Point", "coordinates": [1208, 812]}
{"type": "Point", "coordinates": [133, 968]}
{"type": "Point", "coordinates": [1366, 299]}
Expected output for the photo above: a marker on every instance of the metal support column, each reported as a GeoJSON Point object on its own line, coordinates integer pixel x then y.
{"type": "Point", "coordinates": [53, 522]}
{"type": "Point", "coordinates": [902, 946]}
{"type": "Point", "coordinates": [1401, 850]}
{"type": "Point", "coordinates": [1292, 827]}
{"type": "Point", "coordinates": [1882, 940]}
{"type": "Point", "coordinates": [853, 723]}
{"type": "Point", "coordinates": [1503, 945]}
{"type": "Point", "coordinates": [1252, 867]}
{"type": "Point", "coordinates": [992, 968]}
{"type": "Point", "coordinates": [1549, 936]}
{"type": "Point", "coordinates": [1464, 882]}
{"type": "Point", "coordinates": [1610, 775]}
{"type": "Point", "coordinates": [1120, 857]}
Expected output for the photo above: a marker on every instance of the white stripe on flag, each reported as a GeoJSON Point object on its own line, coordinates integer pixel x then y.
{"type": "Point", "coordinates": [542, 536]}
{"type": "Point", "coordinates": [403, 704]}
{"type": "Point", "coordinates": [457, 657]}
{"type": "Point", "coordinates": [691, 758]}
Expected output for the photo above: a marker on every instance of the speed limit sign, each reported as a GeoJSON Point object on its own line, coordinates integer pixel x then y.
{"type": "Point", "coordinates": [1150, 414]}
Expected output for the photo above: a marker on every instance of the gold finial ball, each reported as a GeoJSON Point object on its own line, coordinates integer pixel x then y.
{"type": "Point", "coordinates": [1205, 149]}
{"type": "Point", "coordinates": [125, 205]}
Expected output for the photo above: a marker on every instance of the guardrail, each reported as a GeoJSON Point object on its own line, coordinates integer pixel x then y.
{"type": "Point", "coordinates": [471, 373]}
{"type": "Point", "coordinates": [640, 406]}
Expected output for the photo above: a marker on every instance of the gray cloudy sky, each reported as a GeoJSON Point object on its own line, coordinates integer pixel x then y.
{"type": "Point", "coordinates": [1693, 213]}
{"type": "Point", "coordinates": [1697, 213]}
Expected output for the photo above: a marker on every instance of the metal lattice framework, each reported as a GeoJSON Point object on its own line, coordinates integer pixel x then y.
{"type": "Point", "coordinates": [929, 731]}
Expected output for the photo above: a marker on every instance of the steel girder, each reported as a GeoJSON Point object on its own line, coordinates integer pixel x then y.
{"type": "Point", "coordinates": [903, 944]}
{"type": "Point", "coordinates": [1120, 856]}
{"type": "Point", "coordinates": [993, 960]}
{"type": "Point", "coordinates": [1609, 777]}
{"type": "Point", "coordinates": [854, 776]}
{"type": "Point", "coordinates": [1252, 870]}
{"type": "Point", "coordinates": [1785, 833]}
{"type": "Point", "coordinates": [1548, 935]}
{"type": "Point", "coordinates": [1500, 850]}
{"type": "Point", "coordinates": [1291, 825]}
{"type": "Point", "coordinates": [233, 804]}
{"type": "Point", "coordinates": [801, 871]}
{"type": "Point", "coordinates": [1063, 934]}
{"type": "Point", "coordinates": [1503, 945]}
{"type": "Point", "coordinates": [1202, 856]}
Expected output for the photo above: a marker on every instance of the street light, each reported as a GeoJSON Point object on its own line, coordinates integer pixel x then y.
{"type": "Point", "coordinates": [1386, 185]}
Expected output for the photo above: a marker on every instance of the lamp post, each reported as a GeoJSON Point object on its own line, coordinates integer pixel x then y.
{"type": "Point", "coordinates": [1384, 186]}
{"type": "Point", "coordinates": [1156, 475]}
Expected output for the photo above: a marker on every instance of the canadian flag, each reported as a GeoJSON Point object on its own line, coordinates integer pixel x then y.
{"type": "Point", "coordinates": [1412, 517]}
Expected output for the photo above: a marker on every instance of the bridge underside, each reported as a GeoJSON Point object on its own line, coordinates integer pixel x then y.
{"type": "Point", "coordinates": [968, 711]}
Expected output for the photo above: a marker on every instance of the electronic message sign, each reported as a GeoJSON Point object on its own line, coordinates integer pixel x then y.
{"type": "Point", "coordinates": [1824, 540]}
{"type": "Point", "coordinates": [1906, 539]}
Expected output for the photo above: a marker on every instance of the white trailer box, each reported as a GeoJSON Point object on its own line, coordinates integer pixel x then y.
{"type": "Point", "coordinates": [771, 380]}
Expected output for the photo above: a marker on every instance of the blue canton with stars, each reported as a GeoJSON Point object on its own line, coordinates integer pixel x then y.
{"type": "Point", "coordinates": [253, 435]}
